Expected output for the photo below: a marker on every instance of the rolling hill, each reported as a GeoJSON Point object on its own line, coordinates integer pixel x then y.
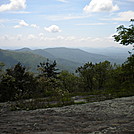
{"type": "Point", "coordinates": [119, 54]}
{"type": "Point", "coordinates": [77, 55]}
{"type": "Point", "coordinates": [31, 60]}
{"type": "Point", "coordinates": [67, 58]}
{"type": "Point", "coordinates": [70, 54]}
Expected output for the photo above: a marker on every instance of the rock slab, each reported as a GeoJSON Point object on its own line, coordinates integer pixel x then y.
{"type": "Point", "coordinates": [114, 116]}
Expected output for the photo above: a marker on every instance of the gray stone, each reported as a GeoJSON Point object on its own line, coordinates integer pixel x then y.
{"type": "Point", "coordinates": [114, 116]}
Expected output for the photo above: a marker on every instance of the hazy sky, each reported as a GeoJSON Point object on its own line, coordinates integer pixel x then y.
{"type": "Point", "coordinates": [55, 23]}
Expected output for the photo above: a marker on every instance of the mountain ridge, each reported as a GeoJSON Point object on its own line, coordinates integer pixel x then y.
{"type": "Point", "coordinates": [72, 54]}
{"type": "Point", "coordinates": [67, 58]}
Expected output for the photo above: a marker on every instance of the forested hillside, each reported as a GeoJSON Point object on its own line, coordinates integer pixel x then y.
{"type": "Point", "coordinates": [32, 58]}
{"type": "Point", "coordinates": [67, 58]}
{"type": "Point", "coordinates": [102, 79]}
{"type": "Point", "coordinates": [76, 55]}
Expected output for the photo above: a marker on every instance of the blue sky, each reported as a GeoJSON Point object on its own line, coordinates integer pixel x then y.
{"type": "Point", "coordinates": [62, 23]}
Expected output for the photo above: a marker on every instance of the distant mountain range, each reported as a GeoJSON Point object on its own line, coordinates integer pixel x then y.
{"type": "Point", "coordinates": [119, 54]}
{"type": "Point", "coordinates": [67, 58]}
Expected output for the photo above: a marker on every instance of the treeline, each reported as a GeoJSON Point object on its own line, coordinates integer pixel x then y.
{"type": "Point", "coordinates": [17, 83]}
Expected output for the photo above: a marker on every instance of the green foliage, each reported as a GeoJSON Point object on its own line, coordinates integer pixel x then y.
{"type": "Point", "coordinates": [48, 81]}
{"type": "Point", "coordinates": [128, 73]}
{"type": "Point", "coordinates": [7, 88]}
{"type": "Point", "coordinates": [94, 82]}
{"type": "Point", "coordinates": [67, 59]}
{"type": "Point", "coordinates": [128, 67]}
{"type": "Point", "coordinates": [39, 103]}
{"type": "Point", "coordinates": [124, 76]}
{"type": "Point", "coordinates": [102, 74]}
{"type": "Point", "coordinates": [47, 86]}
{"type": "Point", "coordinates": [1, 69]}
{"type": "Point", "coordinates": [30, 60]}
{"type": "Point", "coordinates": [69, 81]}
{"type": "Point", "coordinates": [48, 70]}
{"type": "Point", "coordinates": [125, 35]}
{"type": "Point", "coordinates": [17, 83]}
{"type": "Point", "coordinates": [24, 81]}
{"type": "Point", "coordinates": [1, 65]}
{"type": "Point", "coordinates": [87, 73]}
{"type": "Point", "coordinates": [96, 75]}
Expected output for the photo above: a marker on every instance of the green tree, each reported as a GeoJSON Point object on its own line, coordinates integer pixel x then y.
{"type": "Point", "coordinates": [1, 65]}
{"type": "Point", "coordinates": [122, 81]}
{"type": "Point", "coordinates": [102, 74]}
{"type": "Point", "coordinates": [48, 78]}
{"type": "Point", "coordinates": [7, 88]}
{"type": "Point", "coordinates": [128, 71]}
{"type": "Point", "coordinates": [69, 81]}
{"type": "Point", "coordinates": [87, 73]}
{"type": "Point", "coordinates": [95, 76]}
{"type": "Point", "coordinates": [47, 86]}
{"type": "Point", "coordinates": [1, 71]}
{"type": "Point", "coordinates": [20, 81]}
{"type": "Point", "coordinates": [125, 35]}
{"type": "Point", "coordinates": [48, 69]}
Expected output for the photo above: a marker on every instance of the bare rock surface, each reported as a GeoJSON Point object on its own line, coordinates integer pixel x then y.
{"type": "Point", "coordinates": [114, 116]}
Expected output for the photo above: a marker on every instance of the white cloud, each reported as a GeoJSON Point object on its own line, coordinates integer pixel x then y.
{"type": "Point", "coordinates": [17, 26]}
{"type": "Point", "coordinates": [70, 38]}
{"type": "Point", "coordinates": [22, 23]}
{"type": "Point", "coordinates": [20, 12]}
{"type": "Point", "coordinates": [131, 0]}
{"type": "Point", "coordinates": [41, 36]}
{"type": "Point", "coordinates": [5, 37]}
{"type": "Point", "coordinates": [91, 24]}
{"type": "Point", "coordinates": [65, 17]}
{"type": "Point", "coordinates": [31, 37]}
{"type": "Point", "coordinates": [2, 26]}
{"type": "Point", "coordinates": [13, 5]}
{"type": "Point", "coordinates": [60, 37]}
{"type": "Point", "coordinates": [19, 37]}
{"type": "Point", "coordinates": [52, 29]}
{"type": "Point", "coordinates": [125, 16]}
{"type": "Point", "coordinates": [62, 1]}
{"type": "Point", "coordinates": [34, 26]}
{"type": "Point", "coordinates": [3, 20]}
{"type": "Point", "coordinates": [38, 41]}
{"type": "Point", "coordinates": [100, 6]}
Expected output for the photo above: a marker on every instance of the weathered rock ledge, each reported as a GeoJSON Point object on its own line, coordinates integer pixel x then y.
{"type": "Point", "coordinates": [106, 117]}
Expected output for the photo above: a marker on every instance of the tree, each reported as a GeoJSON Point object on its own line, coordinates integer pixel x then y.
{"type": "Point", "coordinates": [1, 65]}
{"type": "Point", "coordinates": [102, 73]}
{"type": "Point", "coordinates": [125, 35]}
{"type": "Point", "coordinates": [87, 73]}
{"type": "Point", "coordinates": [122, 82]}
{"type": "Point", "coordinates": [1, 71]}
{"type": "Point", "coordinates": [7, 88]}
{"type": "Point", "coordinates": [69, 81]}
{"type": "Point", "coordinates": [19, 81]}
{"type": "Point", "coordinates": [48, 69]}
{"type": "Point", "coordinates": [128, 70]}
{"type": "Point", "coordinates": [95, 76]}
{"type": "Point", "coordinates": [48, 79]}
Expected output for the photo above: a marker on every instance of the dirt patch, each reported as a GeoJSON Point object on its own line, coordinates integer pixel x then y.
{"type": "Point", "coordinates": [107, 117]}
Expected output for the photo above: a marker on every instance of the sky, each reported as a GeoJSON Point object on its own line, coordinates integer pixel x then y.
{"type": "Point", "coordinates": [62, 23]}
